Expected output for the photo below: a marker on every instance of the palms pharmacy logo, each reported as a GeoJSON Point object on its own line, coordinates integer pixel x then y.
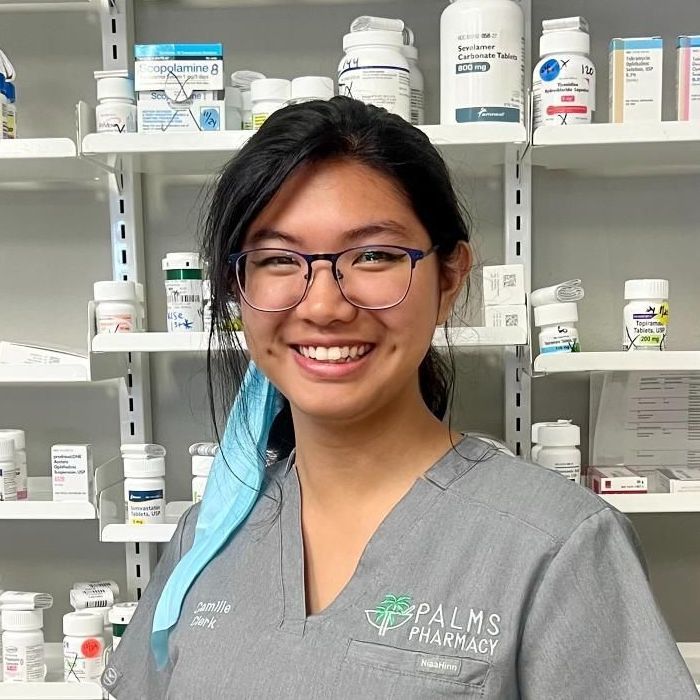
{"type": "Point", "coordinates": [391, 613]}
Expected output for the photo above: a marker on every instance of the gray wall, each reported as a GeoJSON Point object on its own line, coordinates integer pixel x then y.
{"type": "Point", "coordinates": [54, 244]}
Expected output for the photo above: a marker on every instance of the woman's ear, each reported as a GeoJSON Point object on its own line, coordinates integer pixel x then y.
{"type": "Point", "coordinates": [454, 271]}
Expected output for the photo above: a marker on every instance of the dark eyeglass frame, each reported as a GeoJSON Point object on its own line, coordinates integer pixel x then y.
{"type": "Point", "coordinates": [415, 255]}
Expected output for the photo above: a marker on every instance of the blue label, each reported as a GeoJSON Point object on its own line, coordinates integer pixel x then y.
{"type": "Point", "coordinates": [179, 51]}
{"type": "Point", "coordinates": [685, 42]}
{"type": "Point", "coordinates": [654, 42]}
{"type": "Point", "coordinates": [487, 114]}
{"type": "Point", "coordinates": [550, 70]}
{"type": "Point", "coordinates": [141, 496]}
{"type": "Point", "coordinates": [210, 119]}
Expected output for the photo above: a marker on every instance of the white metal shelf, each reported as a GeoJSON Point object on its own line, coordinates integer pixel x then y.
{"type": "Point", "coordinates": [638, 361]}
{"type": "Point", "coordinates": [653, 148]}
{"type": "Point", "coordinates": [690, 651]}
{"type": "Point", "coordinates": [49, 6]}
{"type": "Point", "coordinates": [655, 502]}
{"type": "Point", "coordinates": [40, 506]}
{"type": "Point", "coordinates": [158, 532]}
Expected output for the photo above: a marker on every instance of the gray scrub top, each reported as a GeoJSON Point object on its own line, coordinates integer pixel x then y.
{"type": "Point", "coordinates": [491, 578]}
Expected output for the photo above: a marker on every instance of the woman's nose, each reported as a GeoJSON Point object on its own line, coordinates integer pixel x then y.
{"type": "Point", "coordinates": [324, 303]}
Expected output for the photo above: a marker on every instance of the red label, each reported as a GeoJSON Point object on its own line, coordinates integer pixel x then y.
{"type": "Point", "coordinates": [91, 648]}
{"type": "Point", "coordinates": [567, 109]}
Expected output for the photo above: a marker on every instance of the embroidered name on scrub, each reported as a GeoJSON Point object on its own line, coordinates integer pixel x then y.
{"type": "Point", "coordinates": [208, 621]}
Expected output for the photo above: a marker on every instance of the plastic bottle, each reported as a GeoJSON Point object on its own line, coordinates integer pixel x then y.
{"type": "Point", "coordinates": [374, 70]}
{"type": "Point", "coordinates": [11, 110]}
{"type": "Point", "coordinates": [3, 109]}
{"type": "Point", "coordinates": [19, 439]}
{"type": "Point", "coordinates": [201, 465]}
{"type": "Point", "coordinates": [482, 62]}
{"type": "Point", "coordinates": [646, 315]}
{"type": "Point", "coordinates": [116, 307]}
{"type": "Point", "coordinates": [564, 79]}
{"type": "Point", "coordinates": [120, 616]}
{"type": "Point", "coordinates": [8, 470]}
{"type": "Point", "coordinates": [144, 483]}
{"type": "Point", "coordinates": [242, 80]}
{"type": "Point", "coordinates": [558, 449]}
{"type": "Point", "coordinates": [23, 646]}
{"type": "Point", "coordinates": [116, 110]}
{"type": "Point", "coordinates": [558, 330]}
{"type": "Point", "coordinates": [417, 85]}
{"type": "Point", "coordinates": [267, 96]}
{"type": "Point", "coordinates": [183, 289]}
{"type": "Point", "coordinates": [83, 647]}
{"type": "Point", "coordinates": [311, 87]}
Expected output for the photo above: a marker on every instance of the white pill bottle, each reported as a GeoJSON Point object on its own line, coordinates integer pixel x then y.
{"type": "Point", "coordinates": [19, 439]}
{"type": "Point", "coordinates": [144, 483]}
{"type": "Point", "coordinates": [8, 470]}
{"type": "Point", "coordinates": [116, 307]}
{"type": "Point", "coordinates": [646, 315]}
{"type": "Point", "coordinates": [557, 323]}
{"type": "Point", "coordinates": [564, 79]}
{"type": "Point", "coordinates": [83, 647]}
{"type": "Point", "coordinates": [482, 62]}
{"type": "Point", "coordinates": [201, 466]}
{"type": "Point", "coordinates": [23, 646]}
{"type": "Point", "coordinates": [417, 85]}
{"type": "Point", "coordinates": [183, 291]}
{"type": "Point", "coordinates": [558, 449]}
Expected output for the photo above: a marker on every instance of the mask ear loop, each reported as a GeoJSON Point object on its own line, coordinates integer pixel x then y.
{"type": "Point", "coordinates": [232, 490]}
{"type": "Point", "coordinates": [6, 67]}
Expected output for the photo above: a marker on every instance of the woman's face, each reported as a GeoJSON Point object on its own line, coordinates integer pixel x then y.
{"type": "Point", "coordinates": [328, 208]}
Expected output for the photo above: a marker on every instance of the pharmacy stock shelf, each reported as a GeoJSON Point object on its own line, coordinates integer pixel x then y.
{"type": "Point", "coordinates": [476, 149]}
{"type": "Point", "coordinates": [459, 338]}
{"type": "Point", "coordinates": [158, 532]}
{"type": "Point", "coordinates": [690, 651]}
{"type": "Point", "coordinates": [656, 502]}
{"type": "Point", "coordinates": [669, 361]}
{"type": "Point", "coordinates": [653, 148]}
{"type": "Point", "coordinates": [40, 506]}
{"type": "Point", "coordinates": [95, 370]}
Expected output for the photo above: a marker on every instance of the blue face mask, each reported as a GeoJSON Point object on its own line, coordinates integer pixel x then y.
{"type": "Point", "coordinates": [232, 489]}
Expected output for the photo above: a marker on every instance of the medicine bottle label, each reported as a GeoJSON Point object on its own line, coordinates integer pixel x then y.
{"type": "Point", "coordinates": [83, 659]}
{"type": "Point", "coordinates": [8, 482]}
{"type": "Point", "coordinates": [24, 664]}
{"type": "Point", "coordinates": [562, 339]}
{"type": "Point", "coordinates": [417, 107]}
{"type": "Point", "coordinates": [116, 323]}
{"type": "Point", "coordinates": [258, 120]}
{"type": "Point", "coordinates": [184, 298]}
{"type": "Point", "coordinates": [645, 326]}
{"type": "Point", "coordinates": [383, 86]}
{"type": "Point", "coordinates": [120, 120]}
{"type": "Point", "coordinates": [144, 507]}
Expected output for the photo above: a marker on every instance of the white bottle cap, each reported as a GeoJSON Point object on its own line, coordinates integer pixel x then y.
{"type": "Point", "coordinates": [549, 314]}
{"type": "Point", "coordinates": [410, 52]}
{"type": "Point", "coordinates": [313, 87]}
{"type": "Point", "coordinates": [534, 431]}
{"type": "Point", "coordinates": [243, 78]}
{"type": "Point", "coordinates": [372, 38]}
{"type": "Point", "coordinates": [562, 434]}
{"type": "Point", "coordinates": [22, 620]}
{"type": "Point", "coordinates": [270, 89]}
{"type": "Point", "coordinates": [139, 292]}
{"type": "Point", "coordinates": [201, 465]}
{"type": "Point", "coordinates": [368, 23]}
{"type": "Point", "coordinates": [16, 435]}
{"type": "Point", "coordinates": [114, 84]}
{"type": "Point", "coordinates": [143, 467]}
{"type": "Point", "coordinates": [646, 289]}
{"type": "Point", "coordinates": [83, 624]}
{"type": "Point", "coordinates": [114, 291]}
{"type": "Point", "coordinates": [181, 261]}
{"type": "Point", "coordinates": [7, 449]}
{"type": "Point", "coordinates": [567, 35]}
{"type": "Point", "coordinates": [102, 613]}
{"type": "Point", "coordinates": [121, 613]}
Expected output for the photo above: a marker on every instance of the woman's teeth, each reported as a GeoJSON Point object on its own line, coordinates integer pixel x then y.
{"type": "Point", "coordinates": [334, 353]}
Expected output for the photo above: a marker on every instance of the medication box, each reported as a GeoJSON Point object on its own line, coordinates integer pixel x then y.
{"type": "Point", "coordinates": [72, 473]}
{"type": "Point", "coordinates": [178, 69]}
{"type": "Point", "coordinates": [511, 316]}
{"type": "Point", "coordinates": [677, 480]}
{"type": "Point", "coordinates": [635, 79]}
{"type": "Point", "coordinates": [155, 112]}
{"type": "Point", "coordinates": [611, 480]}
{"type": "Point", "coordinates": [504, 285]}
{"type": "Point", "coordinates": [688, 78]}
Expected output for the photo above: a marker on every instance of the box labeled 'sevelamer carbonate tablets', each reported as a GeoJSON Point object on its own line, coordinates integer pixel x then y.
{"type": "Point", "coordinates": [677, 480]}
{"type": "Point", "coordinates": [688, 78]}
{"type": "Point", "coordinates": [636, 79]}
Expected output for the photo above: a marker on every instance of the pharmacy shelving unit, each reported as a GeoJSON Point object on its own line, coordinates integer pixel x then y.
{"type": "Point", "coordinates": [669, 361]}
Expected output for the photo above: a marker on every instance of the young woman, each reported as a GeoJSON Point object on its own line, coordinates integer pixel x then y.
{"type": "Point", "coordinates": [386, 556]}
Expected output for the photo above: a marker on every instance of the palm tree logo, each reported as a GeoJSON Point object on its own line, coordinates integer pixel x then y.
{"type": "Point", "coordinates": [391, 613]}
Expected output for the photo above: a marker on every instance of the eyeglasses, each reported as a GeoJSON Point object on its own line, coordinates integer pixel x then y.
{"type": "Point", "coordinates": [369, 277]}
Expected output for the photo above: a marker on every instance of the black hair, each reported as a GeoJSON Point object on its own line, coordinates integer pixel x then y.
{"type": "Point", "coordinates": [298, 135]}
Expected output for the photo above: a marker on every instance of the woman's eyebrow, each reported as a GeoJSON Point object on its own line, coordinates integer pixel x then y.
{"type": "Point", "coordinates": [264, 234]}
{"type": "Point", "coordinates": [353, 235]}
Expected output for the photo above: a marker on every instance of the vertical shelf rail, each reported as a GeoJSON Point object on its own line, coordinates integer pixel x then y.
{"type": "Point", "coordinates": [126, 231]}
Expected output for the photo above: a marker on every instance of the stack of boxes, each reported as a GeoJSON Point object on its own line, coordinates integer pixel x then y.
{"type": "Point", "coordinates": [179, 87]}
{"type": "Point", "coordinates": [504, 296]}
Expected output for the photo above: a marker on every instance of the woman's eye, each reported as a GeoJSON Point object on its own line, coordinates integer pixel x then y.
{"type": "Point", "coordinates": [277, 261]}
{"type": "Point", "coordinates": [376, 256]}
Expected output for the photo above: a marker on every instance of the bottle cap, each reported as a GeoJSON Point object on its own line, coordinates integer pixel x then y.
{"type": "Point", "coordinates": [114, 84]}
{"type": "Point", "coordinates": [201, 465]}
{"type": "Point", "coordinates": [536, 428]}
{"type": "Point", "coordinates": [143, 467]}
{"type": "Point", "coordinates": [562, 434]}
{"type": "Point", "coordinates": [243, 78]}
{"type": "Point", "coordinates": [16, 435]}
{"type": "Point", "coordinates": [83, 624]}
{"type": "Point", "coordinates": [410, 52]}
{"type": "Point", "coordinates": [114, 291]}
{"type": "Point", "coordinates": [7, 449]}
{"type": "Point", "coordinates": [549, 314]}
{"type": "Point", "coordinates": [372, 38]}
{"type": "Point", "coordinates": [22, 620]}
{"type": "Point", "coordinates": [181, 261]}
{"type": "Point", "coordinates": [11, 91]}
{"type": "Point", "coordinates": [567, 35]}
{"type": "Point", "coordinates": [312, 87]}
{"type": "Point", "coordinates": [270, 89]}
{"type": "Point", "coordinates": [121, 613]}
{"type": "Point", "coordinates": [646, 289]}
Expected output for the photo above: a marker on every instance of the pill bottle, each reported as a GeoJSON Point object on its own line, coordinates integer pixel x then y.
{"type": "Point", "coordinates": [206, 305]}
{"type": "Point", "coordinates": [267, 96]}
{"type": "Point", "coordinates": [23, 646]}
{"type": "Point", "coordinates": [183, 289]}
{"type": "Point", "coordinates": [11, 110]}
{"type": "Point", "coordinates": [19, 439]}
{"type": "Point", "coordinates": [646, 315]}
{"type": "Point", "coordinates": [242, 79]}
{"type": "Point", "coordinates": [140, 306]}
{"type": "Point", "coordinates": [417, 85]}
{"type": "Point", "coordinates": [116, 307]}
{"type": "Point", "coordinates": [311, 87]}
{"type": "Point", "coordinates": [234, 109]}
{"type": "Point", "coordinates": [563, 82]}
{"type": "Point", "coordinates": [8, 470]}
{"type": "Point", "coordinates": [103, 615]}
{"type": "Point", "coordinates": [120, 616]}
{"type": "Point", "coordinates": [558, 327]}
{"type": "Point", "coordinates": [559, 449]}
{"type": "Point", "coordinates": [374, 70]}
{"type": "Point", "coordinates": [144, 484]}
{"type": "Point", "coordinates": [482, 79]}
{"type": "Point", "coordinates": [4, 102]}
{"type": "Point", "coordinates": [116, 109]}
{"type": "Point", "coordinates": [536, 446]}
{"type": "Point", "coordinates": [201, 465]}
{"type": "Point", "coordinates": [83, 647]}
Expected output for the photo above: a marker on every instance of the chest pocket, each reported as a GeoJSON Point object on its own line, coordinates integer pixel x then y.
{"type": "Point", "coordinates": [372, 670]}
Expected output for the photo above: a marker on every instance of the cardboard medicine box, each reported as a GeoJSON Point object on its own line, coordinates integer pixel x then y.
{"type": "Point", "coordinates": [677, 480]}
{"type": "Point", "coordinates": [178, 69]}
{"type": "Point", "coordinates": [72, 473]}
{"type": "Point", "coordinates": [616, 480]}
{"type": "Point", "coordinates": [504, 285]}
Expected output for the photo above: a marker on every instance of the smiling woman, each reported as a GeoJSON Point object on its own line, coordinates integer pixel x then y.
{"type": "Point", "coordinates": [383, 556]}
